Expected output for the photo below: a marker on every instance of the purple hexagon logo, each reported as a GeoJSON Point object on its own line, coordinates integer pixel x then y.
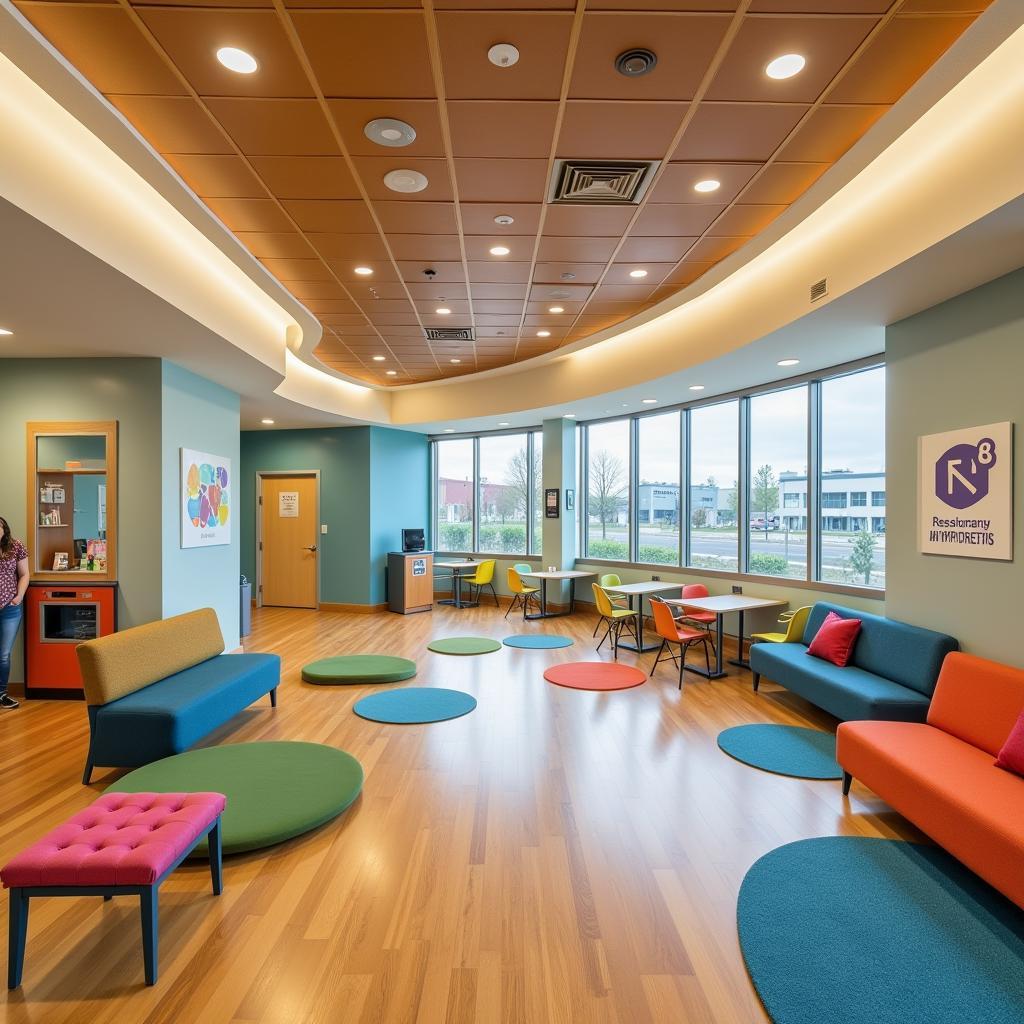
{"type": "Point", "coordinates": [962, 472]}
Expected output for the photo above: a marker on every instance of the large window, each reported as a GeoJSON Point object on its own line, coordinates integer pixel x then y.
{"type": "Point", "coordinates": [608, 476]}
{"type": "Point", "coordinates": [852, 545]}
{"type": "Point", "coordinates": [503, 490]}
{"type": "Point", "coordinates": [778, 459]}
{"type": "Point", "coordinates": [714, 471]}
{"type": "Point", "coordinates": [657, 492]}
{"type": "Point", "coordinates": [454, 490]}
{"type": "Point", "coordinates": [537, 540]}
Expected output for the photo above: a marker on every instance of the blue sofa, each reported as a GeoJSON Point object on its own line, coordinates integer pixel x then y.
{"type": "Point", "coordinates": [891, 675]}
{"type": "Point", "coordinates": [157, 689]}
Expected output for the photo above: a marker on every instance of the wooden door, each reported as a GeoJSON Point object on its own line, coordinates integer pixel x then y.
{"type": "Point", "coordinates": [289, 539]}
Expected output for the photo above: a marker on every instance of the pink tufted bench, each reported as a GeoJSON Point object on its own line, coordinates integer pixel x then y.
{"type": "Point", "coordinates": [123, 844]}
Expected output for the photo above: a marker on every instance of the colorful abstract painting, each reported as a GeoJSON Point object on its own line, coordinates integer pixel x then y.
{"type": "Point", "coordinates": [206, 499]}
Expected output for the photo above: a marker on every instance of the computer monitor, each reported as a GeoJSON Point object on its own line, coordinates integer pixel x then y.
{"type": "Point", "coordinates": [413, 540]}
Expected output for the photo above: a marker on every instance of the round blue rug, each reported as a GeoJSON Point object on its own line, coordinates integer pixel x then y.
{"type": "Point", "coordinates": [848, 930]}
{"type": "Point", "coordinates": [537, 641]}
{"type": "Point", "coordinates": [784, 750]}
{"type": "Point", "coordinates": [414, 705]}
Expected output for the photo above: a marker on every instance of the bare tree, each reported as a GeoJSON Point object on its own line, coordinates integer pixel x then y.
{"type": "Point", "coordinates": [607, 483]}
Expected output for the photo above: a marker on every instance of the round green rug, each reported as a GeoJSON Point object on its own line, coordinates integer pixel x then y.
{"type": "Point", "coordinates": [464, 645]}
{"type": "Point", "coordinates": [352, 669]}
{"type": "Point", "coordinates": [275, 790]}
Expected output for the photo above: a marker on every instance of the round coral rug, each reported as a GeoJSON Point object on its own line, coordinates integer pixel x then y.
{"type": "Point", "coordinates": [594, 675]}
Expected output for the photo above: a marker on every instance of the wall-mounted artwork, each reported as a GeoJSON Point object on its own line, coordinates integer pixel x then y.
{"type": "Point", "coordinates": [205, 499]}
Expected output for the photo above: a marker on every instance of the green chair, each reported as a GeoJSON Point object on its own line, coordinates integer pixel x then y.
{"type": "Point", "coordinates": [483, 577]}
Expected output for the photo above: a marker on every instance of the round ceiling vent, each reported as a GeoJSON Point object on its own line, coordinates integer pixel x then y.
{"type": "Point", "coordinates": [634, 63]}
{"type": "Point", "coordinates": [503, 55]}
{"type": "Point", "coordinates": [404, 180]}
{"type": "Point", "coordinates": [387, 131]}
{"type": "Point", "coordinates": [568, 276]}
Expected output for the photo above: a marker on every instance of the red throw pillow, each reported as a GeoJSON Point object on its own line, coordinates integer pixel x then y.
{"type": "Point", "coordinates": [1011, 756]}
{"type": "Point", "coordinates": [835, 639]}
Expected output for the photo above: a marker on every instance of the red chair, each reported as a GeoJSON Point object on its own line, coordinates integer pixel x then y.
{"type": "Point", "coordinates": [706, 620]}
{"type": "Point", "coordinates": [672, 631]}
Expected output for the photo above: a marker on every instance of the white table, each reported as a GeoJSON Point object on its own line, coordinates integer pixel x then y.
{"type": "Point", "coordinates": [572, 575]}
{"type": "Point", "coordinates": [722, 606]}
{"type": "Point", "coordinates": [457, 569]}
{"type": "Point", "coordinates": [640, 589]}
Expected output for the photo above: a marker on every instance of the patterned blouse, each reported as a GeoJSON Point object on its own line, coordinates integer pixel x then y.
{"type": "Point", "coordinates": [9, 574]}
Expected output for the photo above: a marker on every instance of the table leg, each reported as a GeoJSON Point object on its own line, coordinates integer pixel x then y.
{"type": "Point", "coordinates": [572, 595]}
{"type": "Point", "coordinates": [740, 662]}
{"type": "Point", "coordinates": [544, 597]}
{"type": "Point", "coordinates": [719, 637]}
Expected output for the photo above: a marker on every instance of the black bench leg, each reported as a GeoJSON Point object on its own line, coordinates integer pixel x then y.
{"type": "Point", "coordinates": [215, 847]}
{"type": "Point", "coordinates": [847, 781]}
{"type": "Point", "coordinates": [757, 680]}
{"type": "Point", "coordinates": [273, 697]}
{"type": "Point", "coordinates": [17, 931]}
{"type": "Point", "coordinates": [148, 904]}
{"type": "Point", "coordinates": [87, 774]}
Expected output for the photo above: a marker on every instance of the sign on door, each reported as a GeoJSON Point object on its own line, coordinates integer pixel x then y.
{"type": "Point", "coordinates": [288, 504]}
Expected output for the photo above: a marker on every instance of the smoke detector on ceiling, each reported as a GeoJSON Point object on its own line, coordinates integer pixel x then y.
{"type": "Point", "coordinates": [405, 180]}
{"type": "Point", "coordinates": [637, 62]}
{"type": "Point", "coordinates": [503, 55]}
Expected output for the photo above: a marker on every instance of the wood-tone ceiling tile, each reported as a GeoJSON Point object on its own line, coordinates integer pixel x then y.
{"type": "Point", "coordinates": [444, 271]}
{"type": "Point", "coordinates": [828, 43]}
{"type": "Point", "coordinates": [830, 132]}
{"type": "Point", "coordinates": [438, 293]}
{"type": "Point", "coordinates": [564, 249]}
{"type": "Point", "coordinates": [315, 290]}
{"type": "Point", "coordinates": [784, 182]}
{"type": "Point", "coordinates": [372, 169]}
{"type": "Point", "coordinates": [407, 328]}
{"type": "Point", "coordinates": [392, 320]}
{"type": "Point", "coordinates": [587, 220]}
{"type": "Point", "coordinates": [490, 290]}
{"type": "Point", "coordinates": [571, 307]}
{"type": "Point", "coordinates": [617, 308]}
{"type": "Point", "coordinates": [497, 333]}
{"type": "Point", "coordinates": [478, 218]}
{"type": "Point", "coordinates": [543, 42]}
{"type": "Point", "coordinates": [737, 132]}
{"type": "Point", "coordinates": [319, 306]}
{"type": "Point", "coordinates": [676, 184]}
{"type": "Point", "coordinates": [497, 320]}
{"type": "Point", "coordinates": [347, 4]}
{"type": "Point", "coordinates": [685, 47]}
{"type": "Point", "coordinates": [250, 214]}
{"type": "Point", "coordinates": [104, 44]}
{"type": "Point", "coordinates": [191, 35]}
{"type": "Point", "coordinates": [478, 247]}
{"type": "Point", "coordinates": [582, 273]}
{"type": "Point", "coordinates": [306, 177]}
{"type": "Point", "coordinates": [499, 272]}
{"type": "Point", "coordinates": [822, 6]}
{"type": "Point", "coordinates": [594, 322]}
{"type": "Point", "coordinates": [746, 219]}
{"type": "Point", "coordinates": [641, 250]}
{"type": "Point", "coordinates": [275, 127]}
{"type": "Point", "coordinates": [494, 181]}
{"type": "Point", "coordinates": [217, 177]}
{"type": "Point", "coordinates": [429, 315]}
{"type": "Point", "coordinates": [203, 3]}
{"type": "Point", "coordinates": [172, 124]}
{"type": "Point", "coordinates": [358, 249]}
{"type": "Point", "coordinates": [367, 53]}
{"type": "Point", "coordinates": [330, 215]}
{"type": "Point", "coordinates": [427, 248]}
{"type": "Point", "coordinates": [618, 131]}
{"type": "Point", "coordinates": [416, 218]}
{"type": "Point", "coordinates": [348, 324]}
{"type": "Point", "coordinates": [634, 294]}
{"type": "Point", "coordinates": [281, 245]}
{"type": "Point", "coordinates": [368, 294]}
{"type": "Point", "coordinates": [711, 250]}
{"type": "Point", "coordinates": [897, 57]}
{"type": "Point", "coordinates": [677, 6]}
{"type": "Point", "coordinates": [618, 275]}
{"type": "Point", "coordinates": [676, 218]}
{"type": "Point", "coordinates": [559, 293]}
{"type": "Point", "coordinates": [352, 117]}
{"type": "Point", "coordinates": [531, 339]}
{"type": "Point", "coordinates": [549, 322]}
{"type": "Point", "coordinates": [945, 6]}
{"type": "Point", "coordinates": [506, 307]}
{"type": "Point", "coordinates": [502, 128]}
{"type": "Point", "coordinates": [297, 269]}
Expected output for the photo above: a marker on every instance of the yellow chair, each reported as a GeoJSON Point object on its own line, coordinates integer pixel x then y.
{"type": "Point", "coordinates": [521, 593]}
{"type": "Point", "coordinates": [483, 577]}
{"type": "Point", "coordinates": [794, 623]}
{"type": "Point", "coordinates": [616, 619]}
{"type": "Point", "coordinates": [608, 582]}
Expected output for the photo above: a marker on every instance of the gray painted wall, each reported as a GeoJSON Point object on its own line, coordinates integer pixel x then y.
{"type": "Point", "coordinates": [958, 364]}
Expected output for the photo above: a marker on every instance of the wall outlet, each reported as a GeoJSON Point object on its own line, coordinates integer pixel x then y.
{"type": "Point", "coordinates": [323, 527]}
{"type": "Point", "coordinates": [656, 579]}
{"type": "Point", "coordinates": [737, 589]}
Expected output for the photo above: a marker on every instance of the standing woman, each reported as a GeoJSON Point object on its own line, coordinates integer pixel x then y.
{"type": "Point", "coordinates": [13, 584]}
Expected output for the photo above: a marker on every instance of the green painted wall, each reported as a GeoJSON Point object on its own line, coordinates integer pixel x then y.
{"type": "Point", "coordinates": [958, 364]}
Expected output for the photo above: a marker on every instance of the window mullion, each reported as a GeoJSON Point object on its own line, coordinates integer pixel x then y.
{"type": "Point", "coordinates": [743, 488]}
{"type": "Point", "coordinates": [685, 473]}
{"type": "Point", "coordinates": [814, 500]}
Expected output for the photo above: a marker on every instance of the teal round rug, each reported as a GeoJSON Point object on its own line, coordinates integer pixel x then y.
{"type": "Point", "coordinates": [356, 669]}
{"type": "Point", "coordinates": [537, 641]}
{"type": "Point", "coordinates": [784, 750]}
{"type": "Point", "coordinates": [845, 930]}
{"type": "Point", "coordinates": [415, 705]}
{"type": "Point", "coordinates": [275, 790]}
{"type": "Point", "coordinates": [464, 645]}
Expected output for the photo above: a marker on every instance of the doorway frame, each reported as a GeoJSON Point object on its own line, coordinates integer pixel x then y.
{"type": "Point", "coordinates": [262, 474]}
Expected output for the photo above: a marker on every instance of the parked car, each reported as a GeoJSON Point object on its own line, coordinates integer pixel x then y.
{"type": "Point", "coordinates": [764, 523]}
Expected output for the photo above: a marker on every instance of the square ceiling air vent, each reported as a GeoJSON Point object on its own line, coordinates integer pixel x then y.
{"type": "Point", "coordinates": [448, 333]}
{"type": "Point", "coordinates": [601, 182]}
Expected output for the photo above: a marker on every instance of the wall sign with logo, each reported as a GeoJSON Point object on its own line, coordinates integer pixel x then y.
{"type": "Point", "coordinates": [965, 492]}
{"type": "Point", "coordinates": [551, 503]}
{"type": "Point", "coordinates": [288, 504]}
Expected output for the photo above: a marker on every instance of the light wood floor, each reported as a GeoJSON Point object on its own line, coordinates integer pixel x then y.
{"type": "Point", "coordinates": [554, 856]}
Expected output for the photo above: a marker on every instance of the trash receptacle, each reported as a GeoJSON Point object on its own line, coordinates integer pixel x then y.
{"type": "Point", "coordinates": [244, 607]}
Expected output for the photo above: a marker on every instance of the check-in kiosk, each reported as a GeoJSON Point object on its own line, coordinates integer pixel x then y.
{"type": "Point", "coordinates": [410, 581]}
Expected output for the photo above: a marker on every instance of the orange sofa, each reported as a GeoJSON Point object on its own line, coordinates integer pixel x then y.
{"type": "Point", "coordinates": [942, 775]}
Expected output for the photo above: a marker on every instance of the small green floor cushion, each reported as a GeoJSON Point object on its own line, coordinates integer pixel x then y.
{"type": "Point", "coordinates": [354, 669]}
{"type": "Point", "coordinates": [274, 790]}
{"type": "Point", "coordinates": [464, 645]}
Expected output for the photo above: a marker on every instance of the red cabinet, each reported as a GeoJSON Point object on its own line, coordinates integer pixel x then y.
{"type": "Point", "coordinates": [58, 617]}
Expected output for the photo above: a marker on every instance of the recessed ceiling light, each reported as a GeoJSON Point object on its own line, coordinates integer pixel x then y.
{"type": "Point", "coordinates": [378, 359]}
{"type": "Point", "coordinates": [503, 423]}
{"type": "Point", "coordinates": [4, 331]}
{"type": "Point", "coordinates": [504, 219]}
{"type": "Point", "coordinates": [786, 66]}
{"type": "Point", "coordinates": [556, 309]}
{"type": "Point", "coordinates": [236, 60]}
{"type": "Point", "coordinates": [503, 55]}
{"type": "Point", "coordinates": [543, 334]}
{"type": "Point", "coordinates": [633, 63]}
{"type": "Point", "coordinates": [707, 185]}
{"type": "Point", "coordinates": [638, 273]}
{"type": "Point", "coordinates": [788, 362]}
{"type": "Point", "coordinates": [391, 373]}
{"type": "Point", "coordinates": [388, 131]}
{"type": "Point", "coordinates": [449, 430]}
{"type": "Point", "coordinates": [364, 271]}
{"type": "Point", "coordinates": [442, 310]}
{"type": "Point", "coordinates": [696, 387]}
{"type": "Point", "coordinates": [569, 416]}
{"type": "Point", "coordinates": [500, 250]}
{"type": "Point", "coordinates": [649, 401]}
{"type": "Point", "coordinates": [405, 180]}
{"type": "Point", "coordinates": [455, 360]}
{"type": "Point", "coordinates": [269, 423]}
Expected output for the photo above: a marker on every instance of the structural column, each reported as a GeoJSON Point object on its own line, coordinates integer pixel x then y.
{"type": "Point", "coordinates": [559, 536]}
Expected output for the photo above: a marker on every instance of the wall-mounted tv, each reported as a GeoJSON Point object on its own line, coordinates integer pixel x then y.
{"type": "Point", "coordinates": [413, 540]}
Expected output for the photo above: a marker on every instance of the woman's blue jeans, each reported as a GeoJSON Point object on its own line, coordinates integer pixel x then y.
{"type": "Point", "coordinates": [10, 620]}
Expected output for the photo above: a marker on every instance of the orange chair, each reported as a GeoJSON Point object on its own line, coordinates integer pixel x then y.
{"type": "Point", "coordinates": [672, 631]}
{"type": "Point", "coordinates": [942, 775]}
{"type": "Point", "coordinates": [706, 620]}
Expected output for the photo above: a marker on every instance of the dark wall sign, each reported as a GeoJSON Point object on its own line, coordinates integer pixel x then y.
{"type": "Point", "coordinates": [551, 503]}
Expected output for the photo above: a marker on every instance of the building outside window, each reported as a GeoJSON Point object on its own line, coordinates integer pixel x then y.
{"type": "Point", "coordinates": [878, 499]}
{"type": "Point", "coordinates": [858, 499]}
{"type": "Point", "coordinates": [714, 469]}
{"type": "Point", "coordinates": [657, 493]}
{"type": "Point", "coordinates": [608, 477]}
{"type": "Point", "coordinates": [454, 492]}
{"type": "Point", "coordinates": [503, 493]}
